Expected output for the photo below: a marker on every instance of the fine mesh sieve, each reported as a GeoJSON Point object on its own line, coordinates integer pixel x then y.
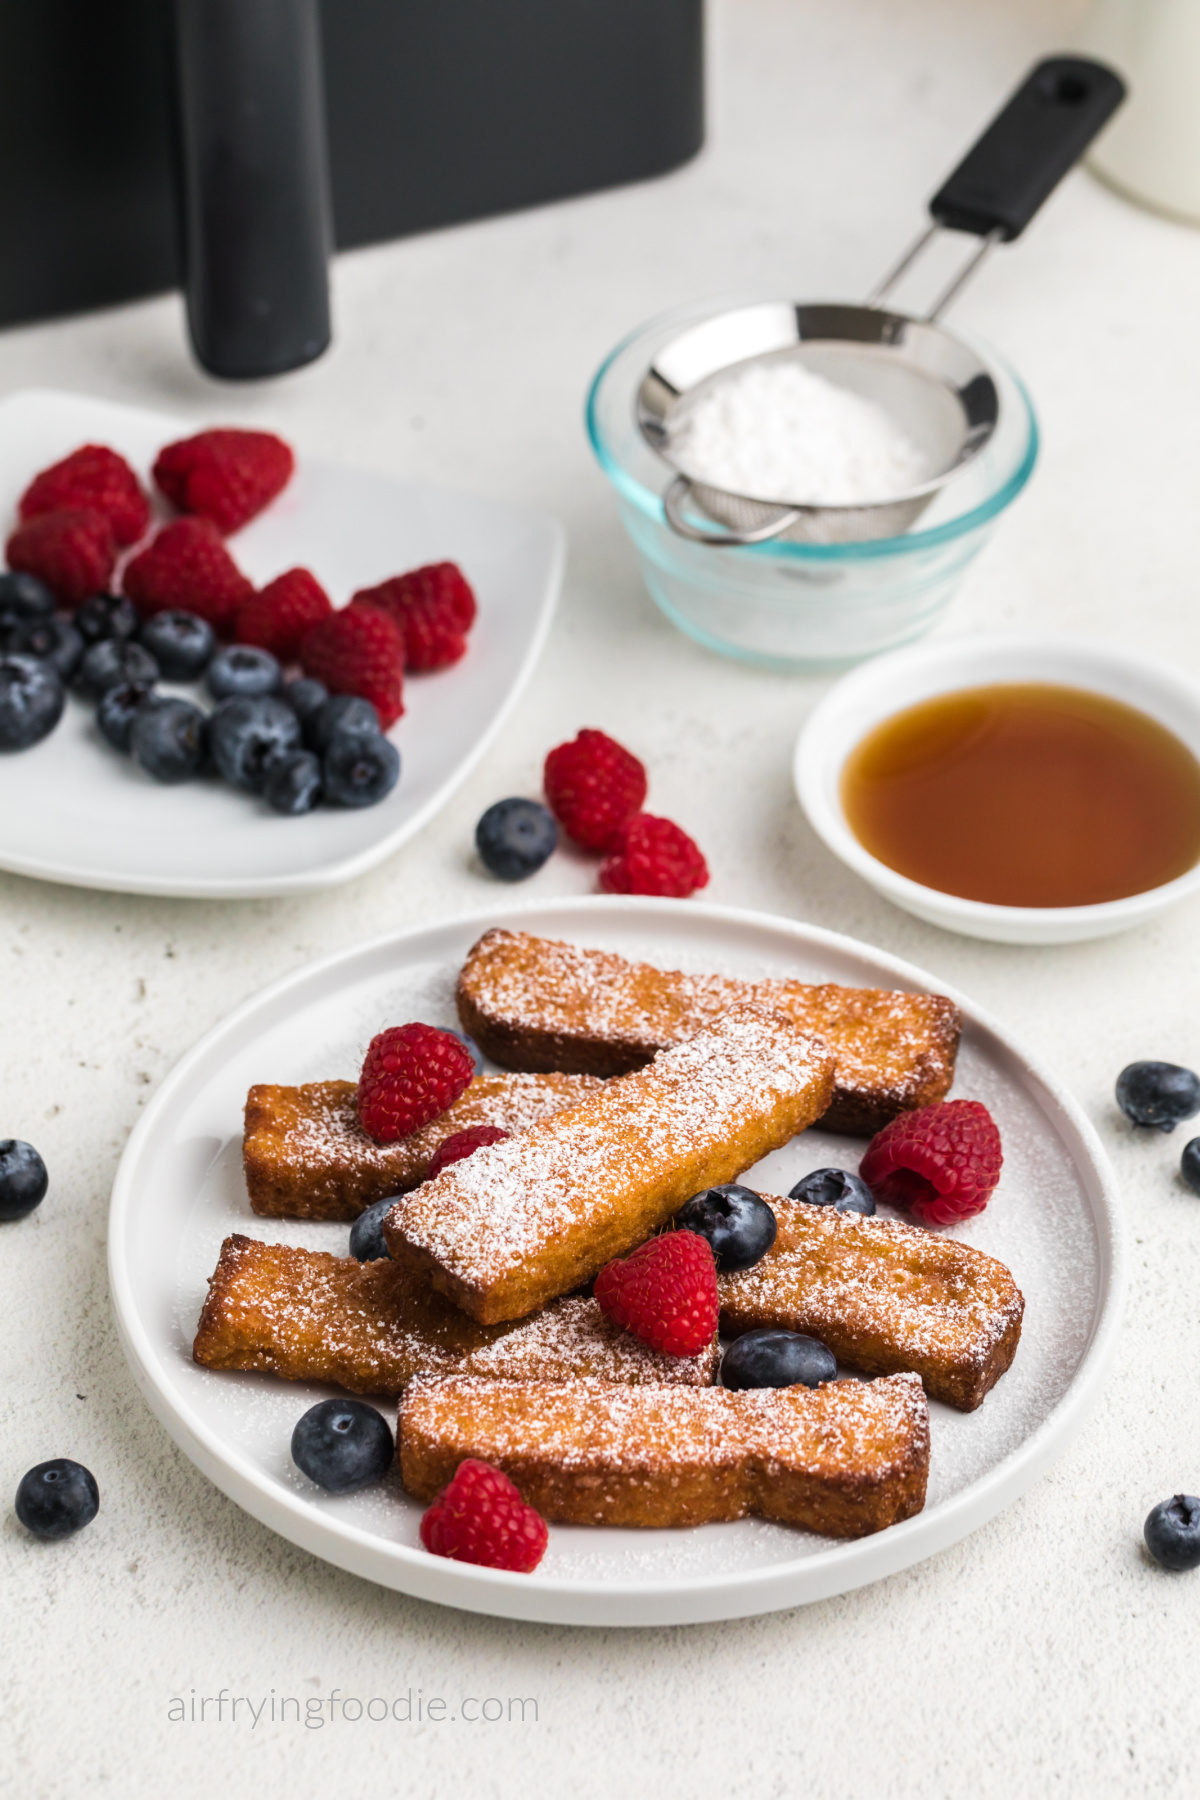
{"type": "Point", "coordinates": [930, 383]}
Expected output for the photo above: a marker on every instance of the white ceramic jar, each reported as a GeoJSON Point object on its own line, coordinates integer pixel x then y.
{"type": "Point", "coordinates": [1151, 151]}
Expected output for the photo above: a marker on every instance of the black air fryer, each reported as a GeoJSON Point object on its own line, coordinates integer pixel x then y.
{"type": "Point", "coordinates": [225, 145]}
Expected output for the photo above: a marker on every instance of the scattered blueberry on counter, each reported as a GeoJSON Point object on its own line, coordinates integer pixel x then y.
{"type": "Point", "coordinates": [1172, 1532]}
{"type": "Point", "coordinates": [515, 837]}
{"type": "Point", "coordinates": [1158, 1094]}
{"type": "Point", "coordinates": [32, 698]}
{"type": "Point", "coordinates": [836, 1188]}
{"type": "Point", "coordinates": [367, 1241]}
{"type": "Point", "coordinates": [23, 1178]}
{"type": "Point", "coordinates": [774, 1358]}
{"type": "Point", "coordinates": [1189, 1164]}
{"type": "Point", "coordinates": [472, 1046]}
{"type": "Point", "coordinates": [738, 1224]}
{"type": "Point", "coordinates": [58, 1498]}
{"type": "Point", "coordinates": [342, 1445]}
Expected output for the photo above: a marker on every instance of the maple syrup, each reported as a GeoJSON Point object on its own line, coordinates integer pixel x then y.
{"type": "Point", "coordinates": [1026, 794]}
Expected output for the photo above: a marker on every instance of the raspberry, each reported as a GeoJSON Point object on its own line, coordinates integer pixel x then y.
{"type": "Point", "coordinates": [665, 1293]}
{"type": "Point", "coordinates": [226, 476]}
{"type": "Point", "coordinates": [593, 785]}
{"type": "Point", "coordinates": [463, 1143]}
{"type": "Point", "coordinates": [358, 651]}
{"type": "Point", "coordinates": [410, 1076]}
{"type": "Point", "coordinates": [434, 608]}
{"type": "Point", "coordinates": [186, 568]}
{"type": "Point", "coordinates": [653, 856]}
{"type": "Point", "coordinates": [277, 617]}
{"type": "Point", "coordinates": [95, 477]}
{"type": "Point", "coordinates": [940, 1163]}
{"type": "Point", "coordinates": [73, 551]}
{"type": "Point", "coordinates": [481, 1518]}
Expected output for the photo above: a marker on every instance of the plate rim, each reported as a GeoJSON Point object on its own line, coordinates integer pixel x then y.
{"type": "Point", "coordinates": [347, 868]}
{"type": "Point", "coordinates": [738, 1593]}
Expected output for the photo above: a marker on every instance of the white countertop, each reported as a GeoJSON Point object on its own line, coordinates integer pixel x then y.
{"type": "Point", "coordinates": [1045, 1653]}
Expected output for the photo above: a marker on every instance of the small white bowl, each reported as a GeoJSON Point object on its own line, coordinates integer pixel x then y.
{"type": "Point", "coordinates": [888, 684]}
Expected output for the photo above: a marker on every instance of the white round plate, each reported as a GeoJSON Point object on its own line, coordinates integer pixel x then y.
{"type": "Point", "coordinates": [179, 1192]}
{"type": "Point", "coordinates": [73, 810]}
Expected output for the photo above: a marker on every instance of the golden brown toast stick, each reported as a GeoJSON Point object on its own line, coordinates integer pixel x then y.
{"type": "Point", "coordinates": [845, 1459]}
{"type": "Point", "coordinates": [372, 1327]}
{"type": "Point", "coordinates": [884, 1297]}
{"type": "Point", "coordinates": [306, 1156]}
{"type": "Point", "coordinates": [518, 1223]}
{"type": "Point", "coordinates": [535, 1003]}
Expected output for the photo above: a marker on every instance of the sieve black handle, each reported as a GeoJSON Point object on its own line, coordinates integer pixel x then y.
{"type": "Point", "coordinates": [1029, 146]}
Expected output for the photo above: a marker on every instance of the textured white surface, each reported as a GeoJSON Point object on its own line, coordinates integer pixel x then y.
{"type": "Point", "coordinates": [1043, 1655]}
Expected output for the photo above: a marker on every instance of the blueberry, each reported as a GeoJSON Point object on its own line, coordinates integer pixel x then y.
{"type": "Point", "coordinates": [242, 670]}
{"type": "Point", "coordinates": [1189, 1165]}
{"type": "Point", "coordinates": [293, 783]}
{"type": "Point", "coordinates": [247, 735]}
{"type": "Point", "coordinates": [836, 1188]}
{"type": "Point", "coordinates": [23, 1178]}
{"type": "Point", "coordinates": [360, 771]}
{"type": "Point", "coordinates": [306, 698]}
{"type": "Point", "coordinates": [31, 701]}
{"type": "Point", "coordinates": [366, 1234]}
{"type": "Point", "coordinates": [53, 641]}
{"type": "Point", "coordinates": [739, 1225]}
{"type": "Point", "coordinates": [772, 1358]}
{"type": "Point", "coordinates": [23, 597]}
{"type": "Point", "coordinates": [106, 616]}
{"type": "Point", "coordinates": [113, 660]}
{"type": "Point", "coordinates": [118, 707]}
{"type": "Point", "coordinates": [342, 716]}
{"type": "Point", "coordinates": [515, 837]}
{"type": "Point", "coordinates": [169, 740]}
{"type": "Point", "coordinates": [1172, 1532]}
{"type": "Point", "coordinates": [57, 1498]}
{"type": "Point", "coordinates": [342, 1445]}
{"type": "Point", "coordinates": [180, 643]}
{"type": "Point", "coordinates": [1158, 1093]}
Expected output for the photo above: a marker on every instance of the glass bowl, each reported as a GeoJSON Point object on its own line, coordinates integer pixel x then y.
{"type": "Point", "coordinates": [801, 606]}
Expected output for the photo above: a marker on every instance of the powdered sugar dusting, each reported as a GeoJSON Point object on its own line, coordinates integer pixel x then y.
{"type": "Point", "coordinates": [597, 1428]}
{"type": "Point", "coordinates": [888, 1044]}
{"type": "Point", "coordinates": [307, 1155]}
{"type": "Point", "coordinates": [485, 1217]}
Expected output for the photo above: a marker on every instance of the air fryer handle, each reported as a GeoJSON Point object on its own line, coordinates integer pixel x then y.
{"type": "Point", "coordinates": [254, 178]}
{"type": "Point", "coordinates": [1029, 146]}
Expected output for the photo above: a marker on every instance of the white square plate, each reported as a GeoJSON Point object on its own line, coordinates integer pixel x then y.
{"type": "Point", "coordinates": [179, 1192]}
{"type": "Point", "coordinates": [72, 809]}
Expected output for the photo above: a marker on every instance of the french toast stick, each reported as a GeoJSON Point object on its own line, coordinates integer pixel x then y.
{"type": "Point", "coordinates": [884, 1297]}
{"type": "Point", "coordinates": [518, 1223]}
{"type": "Point", "coordinates": [306, 1156]}
{"type": "Point", "coordinates": [535, 1003]}
{"type": "Point", "coordinates": [845, 1459]}
{"type": "Point", "coordinates": [372, 1327]}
